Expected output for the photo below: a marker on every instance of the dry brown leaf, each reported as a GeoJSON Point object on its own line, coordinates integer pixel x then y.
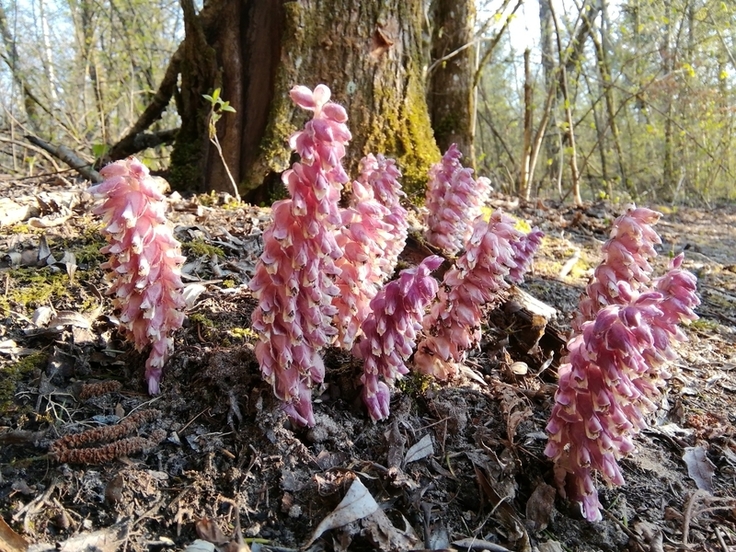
{"type": "Point", "coordinates": [208, 530]}
{"type": "Point", "coordinates": [420, 449]}
{"type": "Point", "coordinates": [539, 507]}
{"type": "Point", "coordinates": [699, 467]}
{"type": "Point", "coordinates": [10, 541]}
{"type": "Point", "coordinates": [357, 504]}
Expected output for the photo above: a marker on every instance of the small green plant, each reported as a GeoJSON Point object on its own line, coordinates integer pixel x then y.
{"type": "Point", "coordinates": [217, 108]}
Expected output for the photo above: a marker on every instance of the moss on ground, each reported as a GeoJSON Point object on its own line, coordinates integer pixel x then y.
{"type": "Point", "coordinates": [200, 248]}
{"type": "Point", "coordinates": [12, 374]}
{"type": "Point", "coordinates": [33, 287]}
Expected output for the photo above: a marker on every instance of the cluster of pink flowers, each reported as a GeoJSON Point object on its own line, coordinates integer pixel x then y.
{"type": "Point", "coordinates": [144, 270]}
{"type": "Point", "coordinates": [496, 251]}
{"type": "Point", "coordinates": [453, 200]}
{"type": "Point", "coordinates": [625, 265]}
{"type": "Point", "coordinates": [617, 360]}
{"type": "Point", "coordinates": [319, 278]}
{"type": "Point", "coordinates": [372, 235]}
{"type": "Point", "coordinates": [389, 332]}
{"type": "Point", "coordinates": [294, 280]}
{"type": "Point", "coordinates": [383, 177]}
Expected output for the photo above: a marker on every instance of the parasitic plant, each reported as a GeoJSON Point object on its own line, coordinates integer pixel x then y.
{"type": "Point", "coordinates": [616, 363]}
{"type": "Point", "coordinates": [389, 332]}
{"type": "Point", "coordinates": [294, 280]}
{"type": "Point", "coordinates": [372, 236]}
{"type": "Point", "coordinates": [494, 252]}
{"type": "Point", "coordinates": [144, 269]}
{"type": "Point", "coordinates": [453, 200]}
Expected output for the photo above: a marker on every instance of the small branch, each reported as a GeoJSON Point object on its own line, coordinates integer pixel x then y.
{"type": "Point", "coordinates": [66, 155]}
{"type": "Point", "coordinates": [134, 143]}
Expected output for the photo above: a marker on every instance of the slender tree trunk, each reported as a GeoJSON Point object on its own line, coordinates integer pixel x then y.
{"type": "Point", "coordinates": [451, 94]}
{"type": "Point", "coordinates": [570, 127]}
{"type": "Point", "coordinates": [668, 172]}
{"type": "Point", "coordinates": [606, 83]}
{"type": "Point", "coordinates": [526, 148]}
{"type": "Point", "coordinates": [549, 69]}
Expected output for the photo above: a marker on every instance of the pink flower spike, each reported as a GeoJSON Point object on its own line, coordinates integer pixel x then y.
{"type": "Point", "coordinates": [495, 250]}
{"type": "Point", "coordinates": [453, 201]}
{"type": "Point", "coordinates": [294, 280]}
{"type": "Point", "coordinates": [144, 270]}
{"type": "Point", "coordinates": [373, 233]}
{"type": "Point", "coordinates": [389, 332]}
{"type": "Point", "coordinates": [616, 365]}
{"type": "Point", "coordinates": [627, 254]}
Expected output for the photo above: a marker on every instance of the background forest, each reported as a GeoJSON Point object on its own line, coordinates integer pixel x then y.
{"type": "Point", "coordinates": [627, 100]}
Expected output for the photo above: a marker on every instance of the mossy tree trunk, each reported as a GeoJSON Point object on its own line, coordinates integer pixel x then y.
{"type": "Point", "coordinates": [370, 54]}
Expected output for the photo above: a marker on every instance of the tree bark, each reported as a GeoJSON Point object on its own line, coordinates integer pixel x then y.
{"type": "Point", "coordinates": [451, 94]}
{"type": "Point", "coordinates": [370, 54]}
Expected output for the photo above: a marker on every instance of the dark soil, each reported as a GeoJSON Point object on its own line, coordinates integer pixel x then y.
{"type": "Point", "coordinates": [213, 457]}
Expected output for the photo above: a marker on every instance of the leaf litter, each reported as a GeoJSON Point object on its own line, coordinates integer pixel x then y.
{"type": "Point", "coordinates": [457, 467]}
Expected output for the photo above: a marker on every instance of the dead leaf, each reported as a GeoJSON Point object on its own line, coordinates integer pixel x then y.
{"type": "Point", "coordinates": [69, 318]}
{"type": "Point", "coordinates": [208, 530]}
{"type": "Point", "coordinates": [539, 507]}
{"type": "Point", "coordinates": [12, 212]}
{"type": "Point", "coordinates": [44, 256]}
{"type": "Point", "coordinates": [69, 260]}
{"type": "Point", "coordinates": [191, 293]}
{"type": "Point", "coordinates": [699, 467]}
{"type": "Point", "coordinates": [419, 450]}
{"type": "Point", "coordinates": [478, 544]}
{"type": "Point", "coordinates": [42, 316]}
{"type": "Point", "coordinates": [550, 546]}
{"type": "Point", "coordinates": [385, 536]}
{"type": "Point", "coordinates": [519, 368]}
{"type": "Point", "coordinates": [357, 504]}
{"type": "Point", "coordinates": [10, 541]}
{"type": "Point", "coordinates": [505, 513]}
{"type": "Point", "coordinates": [109, 539]}
{"type": "Point", "coordinates": [9, 347]}
{"type": "Point", "coordinates": [200, 545]}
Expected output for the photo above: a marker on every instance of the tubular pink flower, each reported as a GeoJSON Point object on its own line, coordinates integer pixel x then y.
{"type": "Point", "coordinates": [627, 254]}
{"type": "Point", "coordinates": [496, 250]}
{"type": "Point", "coordinates": [613, 373]}
{"type": "Point", "coordinates": [453, 200]}
{"type": "Point", "coordinates": [372, 236]}
{"type": "Point", "coordinates": [294, 280]}
{"type": "Point", "coordinates": [144, 269]}
{"type": "Point", "coordinates": [383, 177]}
{"type": "Point", "coordinates": [389, 332]}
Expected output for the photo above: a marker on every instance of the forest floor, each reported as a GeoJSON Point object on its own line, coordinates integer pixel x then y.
{"type": "Point", "coordinates": [457, 466]}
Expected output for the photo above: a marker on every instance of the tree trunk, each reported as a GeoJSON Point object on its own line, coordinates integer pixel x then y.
{"type": "Point", "coordinates": [370, 54]}
{"type": "Point", "coordinates": [525, 175]}
{"type": "Point", "coordinates": [451, 94]}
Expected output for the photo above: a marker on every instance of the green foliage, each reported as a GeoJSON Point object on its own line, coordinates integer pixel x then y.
{"type": "Point", "coordinates": [670, 78]}
{"type": "Point", "coordinates": [93, 66]}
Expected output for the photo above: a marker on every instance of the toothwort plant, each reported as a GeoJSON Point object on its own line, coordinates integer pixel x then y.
{"type": "Point", "coordinates": [144, 269]}
{"type": "Point", "coordinates": [616, 363]}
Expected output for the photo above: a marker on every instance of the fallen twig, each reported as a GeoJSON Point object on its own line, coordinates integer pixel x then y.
{"type": "Point", "coordinates": [66, 155]}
